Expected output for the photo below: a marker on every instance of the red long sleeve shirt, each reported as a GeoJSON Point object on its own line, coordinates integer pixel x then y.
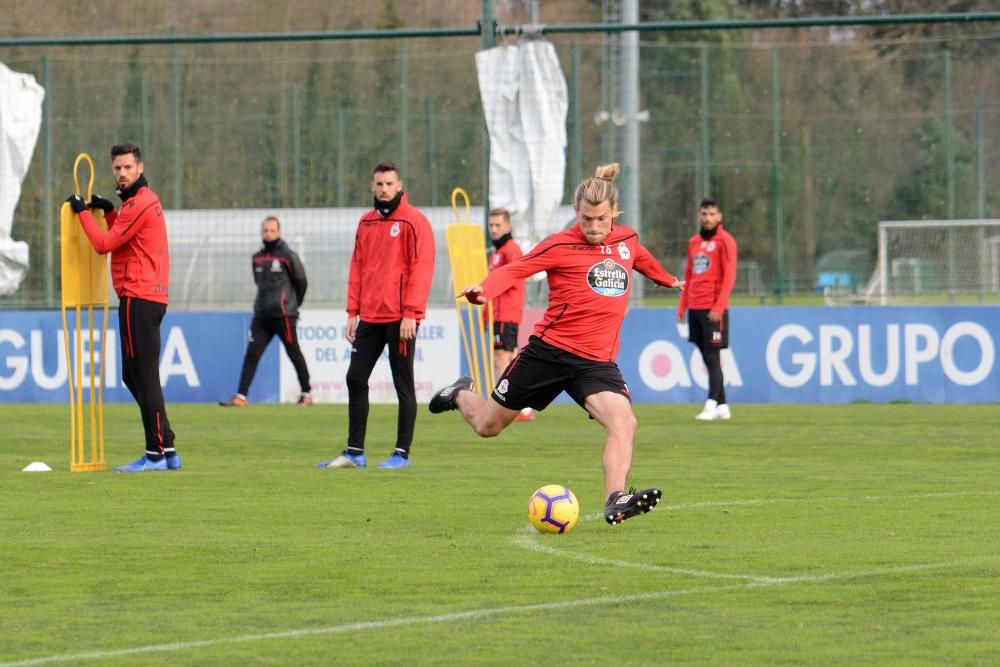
{"type": "Point", "coordinates": [710, 272]}
{"type": "Point", "coordinates": [392, 266]}
{"type": "Point", "coordinates": [509, 306]}
{"type": "Point", "coordinates": [137, 241]}
{"type": "Point", "coordinates": [588, 287]}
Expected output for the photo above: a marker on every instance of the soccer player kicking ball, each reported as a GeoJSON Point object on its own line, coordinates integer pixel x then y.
{"type": "Point", "coordinates": [573, 349]}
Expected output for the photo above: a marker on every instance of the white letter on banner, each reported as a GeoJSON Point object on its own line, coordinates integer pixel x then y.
{"type": "Point", "coordinates": [730, 371]}
{"type": "Point", "coordinates": [986, 353]}
{"type": "Point", "coordinates": [868, 373]}
{"type": "Point", "coordinates": [699, 372]}
{"type": "Point", "coordinates": [111, 359]}
{"type": "Point", "coordinates": [18, 364]}
{"type": "Point", "coordinates": [914, 354]}
{"type": "Point", "coordinates": [805, 360]}
{"type": "Point", "coordinates": [834, 359]}
{"type": "Point", "coordinates": [661, 366]}
{"type": "Point", "coordinates": [58, 379]}
{"type": "Point", "coordinates": [177, 347]}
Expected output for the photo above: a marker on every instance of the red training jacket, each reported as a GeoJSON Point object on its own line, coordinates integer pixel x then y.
{"type": "Point", "coordinates": [588, 287]}
{"type": "Point", "coordinates": [392, 266]}
{"type": "Point", "coordinates": [710, 272]}
{"type": "Point", "coordinates": [137, 241]}
{"type": "Point", "coordinates": [509, 306]}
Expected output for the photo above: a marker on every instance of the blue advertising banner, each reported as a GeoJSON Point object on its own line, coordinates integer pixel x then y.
{"type": "Point", "coordinates": [821, 355]}
{"type": "Point", "coordinates": [201, 357]}
{"type": "Point", "coordinates": [777, 355]}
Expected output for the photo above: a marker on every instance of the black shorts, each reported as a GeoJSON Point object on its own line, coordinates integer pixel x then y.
{"type": "Point", "coordinates": [541, 371]}
{"type": "Point", "coordinates": [701, 332]}
{"type": "Point", "coordinates": [505, 336]}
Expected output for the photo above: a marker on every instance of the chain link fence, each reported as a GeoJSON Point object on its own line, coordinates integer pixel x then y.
{"type": "Point", "coordinates": [807, 137]}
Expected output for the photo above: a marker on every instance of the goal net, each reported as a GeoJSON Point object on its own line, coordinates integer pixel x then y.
{"type": "Point", "coordinates": [937, 261]}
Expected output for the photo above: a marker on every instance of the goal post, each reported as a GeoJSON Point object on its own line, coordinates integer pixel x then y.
{"type": "Point", "coordinates": [921, 260]}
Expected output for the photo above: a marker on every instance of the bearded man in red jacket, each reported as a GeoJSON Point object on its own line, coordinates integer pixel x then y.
{"type": "Point", "coordinates": [140, 274]}
{"type": "Point", "coordinates": [387, 289]}
{"type": "Point", "coordinates": [710, 274]}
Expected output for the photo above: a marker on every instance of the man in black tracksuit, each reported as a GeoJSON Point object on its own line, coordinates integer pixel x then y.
{"type": "Point", "coordinates": [281, 286]}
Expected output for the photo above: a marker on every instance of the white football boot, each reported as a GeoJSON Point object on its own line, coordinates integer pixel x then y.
{"type": "Point", "coordinates": [708, 413]}
{"type": "Point", "coordinates": [722, 411]}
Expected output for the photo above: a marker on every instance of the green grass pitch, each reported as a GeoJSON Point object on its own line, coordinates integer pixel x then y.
{"type": "Point", "coordinates": [791, 535]}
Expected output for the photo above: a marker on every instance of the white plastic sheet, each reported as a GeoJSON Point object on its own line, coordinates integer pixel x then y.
{"type": "Point", "coordinates": [525, 101]}
{"type": "Point", "coordinates": [20, 121]}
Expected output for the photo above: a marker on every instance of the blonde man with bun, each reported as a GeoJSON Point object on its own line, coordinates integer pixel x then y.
{"type": "Point", "coordinates": [573, 349]}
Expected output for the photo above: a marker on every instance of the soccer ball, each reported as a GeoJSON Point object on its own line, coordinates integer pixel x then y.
{"type": "Point", "coordinates": [553, 509]}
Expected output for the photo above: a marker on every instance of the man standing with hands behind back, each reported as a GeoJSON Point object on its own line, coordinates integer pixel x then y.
{"type": "Point", "coordinates": [387, 289]}
{"type": "Point", "coordinates": [710, 273]}
{"type": "Point", "coordinates": [140, 273]}
{"type": "Point", "coordinates": [281, 286]}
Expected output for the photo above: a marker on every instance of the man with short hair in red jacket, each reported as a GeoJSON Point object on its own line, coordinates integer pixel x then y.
{"type": "Point", "coordinates": [508, 308]}
{"type": "Point", "coordinates": [140, 273]}
{"type": "Point", "coordinates": [387, 289]}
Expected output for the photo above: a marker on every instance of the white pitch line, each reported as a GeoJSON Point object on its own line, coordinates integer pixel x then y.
{"type": "Point", "coordinates": [750, 502]}
{"type": "Point", "coordinates": [472, 615]}
{"type": "Point", "coordinates": [899, 569]}
{"type": "Point", "coordinates": [476, 614]}
{"type": "Point", "coordinates": [524, 539]}
{"type": "Point", "coordinates": [527, 539]}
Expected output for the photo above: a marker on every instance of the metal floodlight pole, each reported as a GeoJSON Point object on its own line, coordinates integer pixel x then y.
{"type": "Point", "coordinates": [630, 134]}
{"type": "Point", "coordinates": [488, 31]}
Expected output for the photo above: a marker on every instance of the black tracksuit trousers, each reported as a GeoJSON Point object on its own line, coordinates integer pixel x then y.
{"type": "Point", "coordinates": [369, 341]}
{"type": "Point", "coordinates": [262, 330]}
{"type": "Point", "coordinates": [139, 332]}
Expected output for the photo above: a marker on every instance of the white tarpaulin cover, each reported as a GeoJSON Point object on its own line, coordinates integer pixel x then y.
{"type": "Point", "coordinates": [20, 120]}
{"type": "Point", "coordinates": [525, 101]}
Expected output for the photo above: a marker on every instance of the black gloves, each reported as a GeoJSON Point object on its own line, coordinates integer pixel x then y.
{"type": "Point", "coordinates": [76, 201]}
{"type": "Point", "coordinates": [97, 201]}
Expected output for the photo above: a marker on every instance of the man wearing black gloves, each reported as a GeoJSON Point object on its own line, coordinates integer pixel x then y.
{"type": "Point", "coordinates": [140, 273]}
{"type": "Point", "coordinates": [281, 286]}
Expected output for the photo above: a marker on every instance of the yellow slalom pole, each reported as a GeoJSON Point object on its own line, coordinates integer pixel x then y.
{"type": "Point", "coordinates": [70, 374]}
{"type": "Point", "coordinates": [84, 286]}
{"type": "Point", "coordinates": [467, 253]}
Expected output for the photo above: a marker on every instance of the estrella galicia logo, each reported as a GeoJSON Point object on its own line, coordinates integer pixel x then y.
{"type": "Point", "coordinates": [608, 278]}
{"type": "Point", "coordinates": [700, 264]}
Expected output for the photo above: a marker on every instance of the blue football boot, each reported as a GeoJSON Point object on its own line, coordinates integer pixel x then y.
{"type": "Point", "coordinates": [345, 460]}
{"type": "Point", "coordinates": [143, 464]}
{"type": "Point", "coordinates": [397, 460]}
